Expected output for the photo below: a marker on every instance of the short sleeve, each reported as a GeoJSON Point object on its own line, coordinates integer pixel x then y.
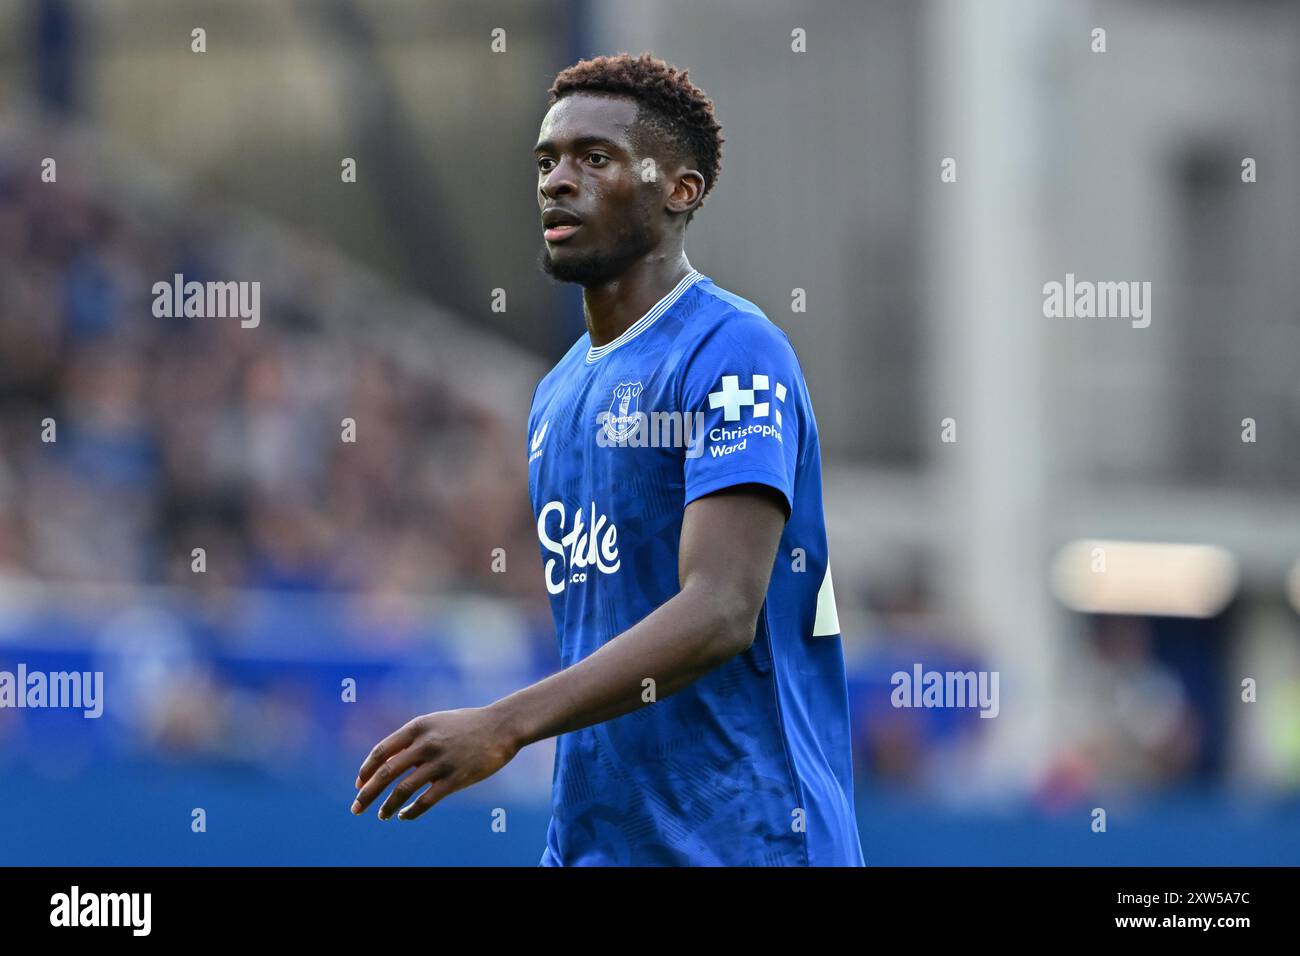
{"type": "Point", "coordinates": [743, 387]}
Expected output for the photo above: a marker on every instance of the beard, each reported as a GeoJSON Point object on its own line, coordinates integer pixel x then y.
{"type": "Point", "coordinates": [599, 266]}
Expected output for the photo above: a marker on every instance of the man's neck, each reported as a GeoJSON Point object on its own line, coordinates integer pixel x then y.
{"type": "Point", "coordinates": [612, 307]}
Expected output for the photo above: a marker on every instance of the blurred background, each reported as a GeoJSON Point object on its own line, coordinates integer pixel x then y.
{"type": "Point", "coordinates": [381, 301]}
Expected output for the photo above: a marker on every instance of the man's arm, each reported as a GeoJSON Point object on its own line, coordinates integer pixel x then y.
{"type": "Point", "coordinates": [728, 546]}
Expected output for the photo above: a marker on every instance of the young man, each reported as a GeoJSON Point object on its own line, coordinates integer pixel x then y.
{"type": "Point", "coordinates": [675, 476]}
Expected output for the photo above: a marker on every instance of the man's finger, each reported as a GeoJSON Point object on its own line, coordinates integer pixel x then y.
{"type": "Point", "coordinates": [437, 790]}
{"type": "Point", "coordinates": [409, 786]}
{"type": "Point", "coordinates": [393, 743]}
{"type": "Point", "coordinates": [387, 773]}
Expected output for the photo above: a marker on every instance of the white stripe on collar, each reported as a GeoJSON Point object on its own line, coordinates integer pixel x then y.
{"type": "Point", "coordinates": [647, 320]}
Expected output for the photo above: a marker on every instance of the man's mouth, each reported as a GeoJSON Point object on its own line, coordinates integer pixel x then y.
{"type": "Point", "coordinates": [560, 233]}
{"type": "Point", "coordinates": [559, 224]}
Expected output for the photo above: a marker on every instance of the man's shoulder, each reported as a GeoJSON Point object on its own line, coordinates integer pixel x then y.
{"type": "Point", "coordinates": [729, 322]}
{"type": "Point", "coordinates": [723, 302]}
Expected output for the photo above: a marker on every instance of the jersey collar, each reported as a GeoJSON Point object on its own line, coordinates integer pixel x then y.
{"type": "Point", "coordinates": [640, 325]}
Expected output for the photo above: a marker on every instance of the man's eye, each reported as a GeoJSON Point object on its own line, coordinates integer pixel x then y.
{"type": "Point", "coordinates": [541, 163]}
{"type": "Point", "coordinates": [603, 159]}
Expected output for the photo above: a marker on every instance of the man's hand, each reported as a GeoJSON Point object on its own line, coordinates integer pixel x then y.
{"type": "Point", "coordinates": [450, 750]}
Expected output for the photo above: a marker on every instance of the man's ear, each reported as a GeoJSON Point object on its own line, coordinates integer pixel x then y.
{"type": "Point", "coordinates": [688, 190]}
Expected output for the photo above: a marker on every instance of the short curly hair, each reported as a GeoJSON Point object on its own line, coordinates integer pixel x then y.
{"type": "Point", "coordinates": [671, 107]}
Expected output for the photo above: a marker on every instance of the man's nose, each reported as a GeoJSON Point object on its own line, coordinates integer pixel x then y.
{"type": "Point", "coordinates": [559, 181]}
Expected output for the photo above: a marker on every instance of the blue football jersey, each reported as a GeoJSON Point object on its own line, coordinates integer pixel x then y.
{"type": "Point", "coordinates": [750, 765]}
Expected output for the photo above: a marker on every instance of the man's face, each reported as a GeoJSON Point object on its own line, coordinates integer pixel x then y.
{"type": "Point", "coordinates": [602, 216]}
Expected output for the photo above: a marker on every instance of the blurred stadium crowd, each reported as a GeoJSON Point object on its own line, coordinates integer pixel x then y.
{"type": "Point", "coordinates": [171, 435]}
{"type": "Point", "coordinates": [184, 433]}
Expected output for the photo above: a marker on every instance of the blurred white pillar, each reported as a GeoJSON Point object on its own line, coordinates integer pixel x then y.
{"type": "Point", "coordinates": [986, 69]}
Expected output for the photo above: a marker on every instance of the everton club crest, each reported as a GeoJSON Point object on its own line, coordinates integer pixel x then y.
{"type": "Point", "coordinates": [624, 415]}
